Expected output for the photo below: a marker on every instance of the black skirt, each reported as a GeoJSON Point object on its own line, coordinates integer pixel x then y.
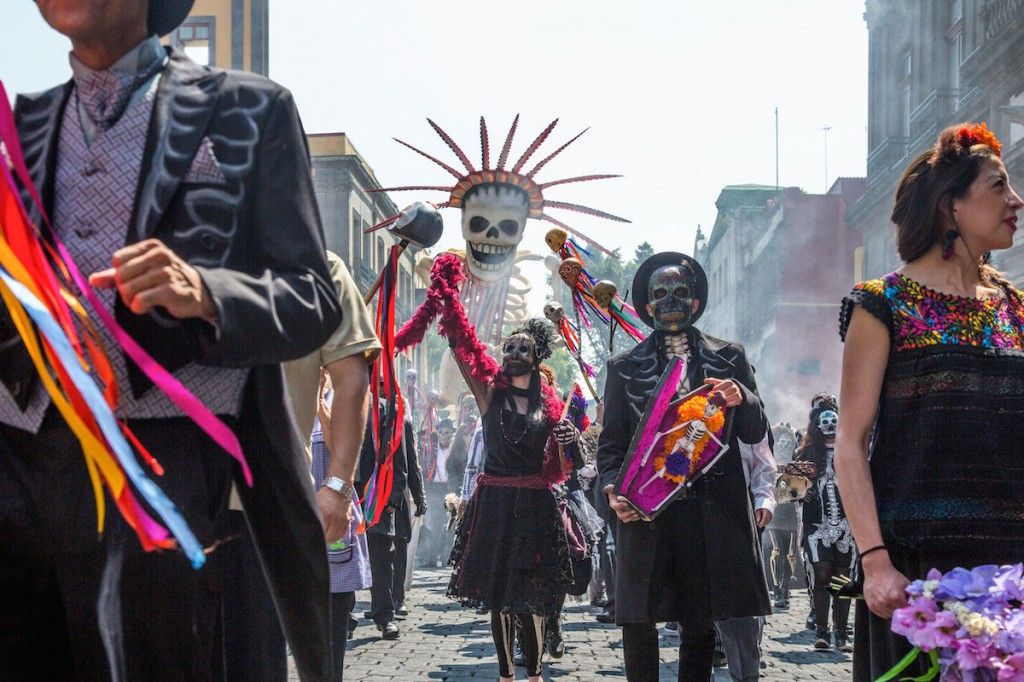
{"type": "Point", "coordinates": [511, 553]}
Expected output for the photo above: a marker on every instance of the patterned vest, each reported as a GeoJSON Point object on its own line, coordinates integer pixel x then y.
{"type": "Point", "coordinates": [94, 199]}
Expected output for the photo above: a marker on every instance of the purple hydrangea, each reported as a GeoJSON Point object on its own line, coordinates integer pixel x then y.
{"type": "Point", "coordinates": [972, 620]}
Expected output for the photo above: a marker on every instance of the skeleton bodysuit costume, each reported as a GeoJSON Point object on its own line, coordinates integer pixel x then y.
{"type": "Point", "coordinates": [826, 529]}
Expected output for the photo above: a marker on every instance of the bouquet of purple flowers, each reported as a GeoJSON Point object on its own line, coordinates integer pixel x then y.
{"type": "Point", "coordinates": [970, 624]}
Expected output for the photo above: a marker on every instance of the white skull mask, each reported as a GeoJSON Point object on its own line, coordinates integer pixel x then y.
{"type": "Point", "coordinates": [828, 422]}
{"type": "Point", "coordinates": [493, 219]}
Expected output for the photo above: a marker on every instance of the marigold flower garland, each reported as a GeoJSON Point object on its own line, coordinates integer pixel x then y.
{"type": "Point", "coordinates": [677, 466]}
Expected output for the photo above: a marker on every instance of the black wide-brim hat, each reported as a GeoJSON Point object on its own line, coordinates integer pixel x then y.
{"type": "Point", "coordinates": [167, 15]}
{"type": "Point", "coordinates": [655, 263]}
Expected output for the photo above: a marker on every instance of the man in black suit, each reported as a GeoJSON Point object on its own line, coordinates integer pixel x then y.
{"type": "Point", "coordinates": [185, 191]}
{"type": "Point", "coordinates": [698, 561]}
{"type": "Point", "coordinates": [394, 521]}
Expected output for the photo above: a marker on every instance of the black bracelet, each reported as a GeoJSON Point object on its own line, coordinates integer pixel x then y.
{"type": "Point", "coordinates": [873, 549]}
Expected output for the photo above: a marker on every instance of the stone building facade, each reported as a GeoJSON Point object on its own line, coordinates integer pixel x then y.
{"type": "Point", "coordinates": [932, 64]}
{"type": "Point", "coordinates": [778, 263]}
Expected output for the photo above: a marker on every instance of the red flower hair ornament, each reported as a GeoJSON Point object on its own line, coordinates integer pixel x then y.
{"type": "Point", "coordinates": [956, 142]}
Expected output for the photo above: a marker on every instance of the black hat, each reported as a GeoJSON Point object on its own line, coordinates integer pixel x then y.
{"type": "Point", "coordinates": [655, 263]}
{"type": "Point", "coordinates": [167, 15]}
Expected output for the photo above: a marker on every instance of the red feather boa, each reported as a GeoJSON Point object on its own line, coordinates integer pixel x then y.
{"type": "Point", "coordinates": [442, 300]}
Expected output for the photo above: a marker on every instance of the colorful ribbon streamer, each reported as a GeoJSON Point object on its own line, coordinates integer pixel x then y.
{"type": "Point", "coordinates": [389, 428]}
{"type": "Point", "coordinates": [37, 276]}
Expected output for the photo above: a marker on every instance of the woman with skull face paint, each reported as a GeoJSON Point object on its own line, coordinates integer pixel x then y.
{"type": "Point", "coordinates": [928, 451]}
{"type": "Point", "coordinates": [511, 555]}
{"type": "Point", "coordinates": [826, 532]}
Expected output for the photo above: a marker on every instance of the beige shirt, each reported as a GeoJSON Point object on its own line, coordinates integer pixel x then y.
{"type": "Point", "coordinates": [356, 335]}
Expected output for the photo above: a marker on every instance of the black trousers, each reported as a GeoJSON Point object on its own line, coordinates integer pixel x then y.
{"type": "Point", "coordinates": [342, 604]}
{"type": "Point", "coordinates": [61, 586]}
{"type": "Point", "coordinates": [254, 646]}
{"type": "Point", "coordinates": [401, 564]}
{"type": "Point", "coordinates": [696, 652]}
{"type": "Point", "coordinates": [382, 569]}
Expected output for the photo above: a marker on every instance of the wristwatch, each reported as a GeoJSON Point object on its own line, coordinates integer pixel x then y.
{"type": "Point", "coordinates": [343, 488]}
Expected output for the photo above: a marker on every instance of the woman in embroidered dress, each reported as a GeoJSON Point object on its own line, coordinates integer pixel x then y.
{"type": "Point", "coordinates": [511, 553]}
{"type": "Point", "coordinates": [826, 532]}
{"type": "Point", "coordinates": [933, 367]}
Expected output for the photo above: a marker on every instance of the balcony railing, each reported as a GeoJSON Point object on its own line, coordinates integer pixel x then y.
{"type": "Point", "coordinates": [364, 277]}
{"type": "Point", "coordinates": [881, 160]}
{"type": "Point", "coordinates": [996, 15]}
{"type": "Point", "coordinates": [932, 115]}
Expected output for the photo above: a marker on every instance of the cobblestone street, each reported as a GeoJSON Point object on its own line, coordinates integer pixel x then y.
{"type": "Point", "coordinates": [442, 641]}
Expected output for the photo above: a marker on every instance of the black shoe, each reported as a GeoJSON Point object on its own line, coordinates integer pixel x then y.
{"type": "Point", "coordinates": [401, 611]}
{"type": "Point", "coordinates": [719, 660]}
{"type": "Point", "coordinates": [482, 611]}
{"type": "Point", "coordinates": [600, 602]}
{"type": "Point", "coordinates": [389, 630]}
{"type": "Point", "coordinates": [843, 644]}
{"type": "Point", "coordinates": [367, 615]}
{"type": "Point", "coordinates": [606, 617]}
{"type": "Point", "coordinates": [556, 646]}
{"type": "Point", "coordinates": [810, 622]}
{"type": "Point", "coordinates": [822, 640]}
{"type": "Point", "coordinates": [519, 658]}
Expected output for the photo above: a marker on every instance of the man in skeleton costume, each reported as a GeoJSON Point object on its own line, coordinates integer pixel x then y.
{"type": "Point", "coordinates": [827, 538]}
{"type": "Point", "coordinates": [698, 561]}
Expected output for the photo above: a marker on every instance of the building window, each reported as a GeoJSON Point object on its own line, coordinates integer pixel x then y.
{"type": "Point", "coordinates": [195, 38]}
{"type": "Point", "coordinates": [366, 253]}
{"type": "Point", "coordinates": [956, 51]}
{"type": "Point", "coordinates": [905, 111]}
{"type": "Point", "coordinates": [956, 11]}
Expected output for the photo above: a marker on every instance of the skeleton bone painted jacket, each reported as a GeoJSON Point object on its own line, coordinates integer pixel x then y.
{"type": "Point", "coordinates": [733, 557]}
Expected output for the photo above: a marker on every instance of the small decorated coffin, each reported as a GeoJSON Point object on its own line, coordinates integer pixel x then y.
{"type": "Point", "coordinates": [677, 441]}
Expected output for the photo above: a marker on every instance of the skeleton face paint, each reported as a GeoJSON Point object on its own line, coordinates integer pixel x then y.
{"type": "Point", "coordinates": [556, 238]}
{"type": "Point", "coordinates": [520, 352]}
{"type": "Point", "coordinates": [828, 423]}
{"type": "Point", "coordinates": [411, 376]}
{"type": "Point", "coordinates": [670, 294]}
{"type": "Point", "coordinates": [604, 292]}
{"type": "Point", "coordinates": [570, 270]}
{"type": "Point", "coordinates": [493, 218]}
{"type": "Point", "coordinates": [554, 311]}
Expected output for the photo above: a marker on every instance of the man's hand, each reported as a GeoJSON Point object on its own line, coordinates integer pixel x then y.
{"type": "Point", "coordinates": [566, 433]}
{"type": "Point", "coordinates": [729, 389]}
{"type": "Point", "coordinates": [421, 508]}
{"type": "Point", "coordinates": [619, 505]}
{"type": "Point", "coordinates": [762, 517]}
{"type": "Point", "coordinates": [148, 274]}
{"type": "Point", "coordinates": [336, 513]}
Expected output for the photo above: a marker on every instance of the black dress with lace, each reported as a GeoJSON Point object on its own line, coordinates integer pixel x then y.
{"type": "Point", "coordinates": [511, 553]}
{"type": "Point", "coordinates": [946, 458]}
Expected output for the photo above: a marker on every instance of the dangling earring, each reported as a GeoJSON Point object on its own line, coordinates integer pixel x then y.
{"type": "Point", "coordinates": [951, 235]}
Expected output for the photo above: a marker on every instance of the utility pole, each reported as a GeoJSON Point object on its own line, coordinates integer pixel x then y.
{"type": "Point", "coordinates": [826, 129]}
{"type": "Point", "coordinates": [776, 149]}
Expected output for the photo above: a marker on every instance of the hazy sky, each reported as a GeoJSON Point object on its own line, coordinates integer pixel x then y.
{"type": "Point", "coordinates": [679, 95]}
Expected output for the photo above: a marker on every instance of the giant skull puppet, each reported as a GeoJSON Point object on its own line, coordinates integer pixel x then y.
{"type": "Point", "coordinates": [496, 200]}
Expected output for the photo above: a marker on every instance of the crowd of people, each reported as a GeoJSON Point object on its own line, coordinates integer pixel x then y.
{"type": "Point", "coordinates": [211, 256]}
